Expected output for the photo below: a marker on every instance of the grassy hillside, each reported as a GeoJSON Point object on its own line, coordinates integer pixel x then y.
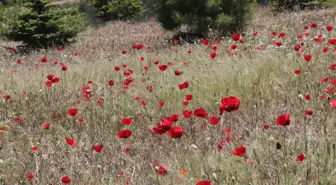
{"type": "Point", "coordinates": [116, 87]}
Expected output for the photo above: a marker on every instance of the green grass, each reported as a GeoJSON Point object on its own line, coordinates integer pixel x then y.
{"type": "Point", "coordinates": [264, 81]}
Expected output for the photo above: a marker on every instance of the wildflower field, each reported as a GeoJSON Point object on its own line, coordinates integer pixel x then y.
{"type": "Point", "coordinates": [123, 106]}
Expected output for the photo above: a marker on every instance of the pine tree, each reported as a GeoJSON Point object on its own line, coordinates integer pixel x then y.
{"type": "Point", "coordinates": [41, 24]}
{"type": "Point", "coordinates": [117, 9]}
{"type": "Point", "coordinates": [225, 16]}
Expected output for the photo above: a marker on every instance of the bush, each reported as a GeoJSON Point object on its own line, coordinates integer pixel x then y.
{"type": "Point", "coordinates": [150, 7]}
{"type": "Point", "coordinates": [282, 5]}
{"type": "Point", "coordinates": [41, 24]}
{"type": "Point", "coordinates": [117, 9]}
{"type": "Point", "coordinates": [225, 16]}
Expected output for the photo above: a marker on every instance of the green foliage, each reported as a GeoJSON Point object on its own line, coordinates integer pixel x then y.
{"type": "Point", "coordinates": [225, 16]}
{"type": "Point", "coordinates": [41, 24]}
{"type": "Point", "coordinates": [329, 3]}
{"type": "Point", "coordinates": [117, 9]}
{"type": "Point", "coordinates": [14, 2]}
{"type": "Point", "coordinates": [150, 7]}
{"type": "Point", "coordinates": [282, 5]}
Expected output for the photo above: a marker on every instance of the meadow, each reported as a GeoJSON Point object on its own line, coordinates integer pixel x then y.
{"type": "Point", "coordinates": [123, 106]}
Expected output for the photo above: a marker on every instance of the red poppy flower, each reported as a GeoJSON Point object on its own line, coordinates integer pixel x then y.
{"type": "Point", "coordinates": [307, 97]}
{"type": "Point", "coordinates": [162, 171]}
{"type": "Point", "coordinates": [159, 130]}
{"type": "Point", "coordinates": [278, 43]}
{"type": "Point", "coordinates": [203, 183]}
{"type": "Point", "coordinates": [333, 103]}
{"type": "Point", "coordinates": [72, 112]}
{"type": "Point", "coordinates": [128, 81]}
{"type": "Point", "coordinates": [296, 47]}
{"type": "Point", "coordinates": [161, 104]}
{"type": "Point", "coordinates": [330, 89]}
{"type": "Point", "coordinates": [235, 36]}
{"type": "Point", "coordinates": [177, 72]}
{"type": "Point", "coordinates": [176, 42]}
{"type": "Point", "coordinates": [187, 113]}
{"type": "Point", "coordinates": [64, 67]}
{"type": "Point", "coordinates": [127, 121]}
{"type": "Point", "coordinates": [200, 113]}
{"type": "Point", "coordinates": [123, 52]}
{"type": "Point", "coordinates": [266, 127]}
{"type": "Point", "coordinates": [80, 120]}
{"type": "Point", "coordinates": [229, 139]}
{"type": "Point", "coordinates": [324, 79]}
{"type": "Point", "coordinates": [66, 180]}
{"type": "Point", "coordinates": [188, 97]}
{"type": "Point", "coordinates": [117, 68]}
{"type": "Point", "coordinates": [7, 97]}
{"type": "Point", "coordinates": [175, 132]}
{"type": "Point", "coordinates": [163, 67]}
{"type": "Point", "coordinates": [46, 125]}
{"type": "Point", "coordinates": [111, 82]}
{"type": "Point", "coordinates": [300, 157]}
{"type": "Point", "coordinates": [166, 123]}
{"type": "Point", "coordinates": [229, 104]}
{"type": "Point", "coordinates": [50, 77]}
{"type": "Point", "coordinates": [97, 148]}
{"type": "Point", "coordinates": [30, 176]}
{"type": "Point", "coordinates": [183, 85]}
{"type": "Point", "coordinates": [34, 148]}
{"type": "Point", "coordinates": [283, 120]}
{"type": "Point", "coordinates": [123, 134]}
{"type": "Point", "coordinates": [48, 83]}
{"type": "Point", "coordinates": [174, 117]}
{"type": "Point", "coordinates": [332, 41]}
{"type": "Point", "coordinates": [325, 49]}
{"type": "Point", "coordinates": [214, 120]}
{"type": "Point", "coordinates": [282, 35]}
{"type": "Point", "coordinates": [220, 145]}
{"type": "Point", "coordinates": [150, 88]}
{"type": "Point", "coordinates": [233, 46]}
{"type": "Point", "coordinates": [309, 112]}
{"type": "Point", "coordinates": [44, 60]}
{"type": "Point", "coordinates": [307, 58]}
{"type": "Point", "coordinates": [297, 71]}
{"type": "Point", "coordinates": [137, 46]}
{"type": "Point", "coordinates": [240, 151]}
{"type": "Point", "coordinates": [329, 28]}
{"type": "Point", "coordinates": [70, 141]}
{"type": "Point", "coordinates": [213, 55]}
{"type": "Point", "coordinates": [332, 67]}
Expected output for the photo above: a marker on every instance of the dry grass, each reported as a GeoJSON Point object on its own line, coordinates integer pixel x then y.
{"type": "Point", "coordinates": [262, 79]}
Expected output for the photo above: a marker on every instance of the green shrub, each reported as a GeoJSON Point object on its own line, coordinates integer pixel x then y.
{"type": "Point", "coordinates": [282, 5]}
{"type": "Point", "coordinates": [41, 24]}
{"type": "Point", "coordinates": [225, 16]}
{"type": "Point", "coordinates": [117, 9]}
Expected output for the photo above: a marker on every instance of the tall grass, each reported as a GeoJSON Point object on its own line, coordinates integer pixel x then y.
{"type": "Point", "coordinates": [263, 80]}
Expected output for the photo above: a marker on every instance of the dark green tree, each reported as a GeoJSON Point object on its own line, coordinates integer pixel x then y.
{"type": "Point", "coordinates": [117, 9]}
{"type": "Point", "coordinates": [225, 16]}
{"type": "Point", "coordinates": [41, 24]}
